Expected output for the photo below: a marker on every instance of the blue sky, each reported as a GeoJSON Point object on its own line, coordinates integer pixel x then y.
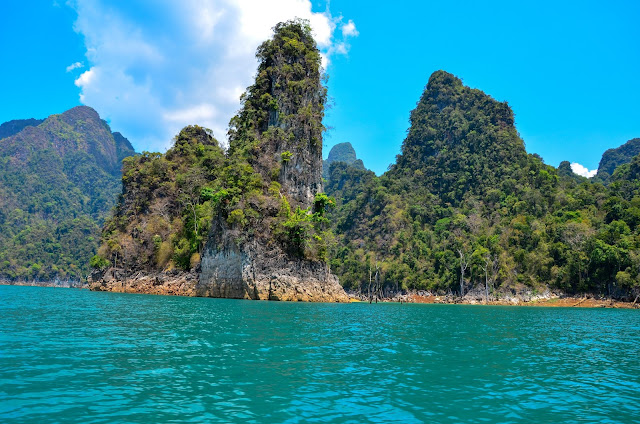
{"type": "Point", "coordinates": [570, 70]}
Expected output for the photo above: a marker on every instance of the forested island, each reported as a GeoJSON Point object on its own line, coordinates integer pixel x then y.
{"type": "Point", "coordinates": [464, 211]}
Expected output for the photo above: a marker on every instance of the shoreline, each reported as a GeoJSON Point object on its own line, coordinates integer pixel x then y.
{"type": "Point", "coordinates": [553, 301]}
{"type": "Point", "coordinates": [54, 284]}
{"type": "Point", "coordinates": [545, 301]}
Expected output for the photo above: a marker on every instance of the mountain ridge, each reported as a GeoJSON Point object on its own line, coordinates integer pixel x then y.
{"type": "Point", "coordinates": [57, 180]}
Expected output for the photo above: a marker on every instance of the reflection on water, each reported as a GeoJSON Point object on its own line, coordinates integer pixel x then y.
{"type": "Point", "coordinates": [78, 356]}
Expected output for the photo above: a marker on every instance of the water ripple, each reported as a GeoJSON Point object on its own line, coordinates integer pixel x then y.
{"type": "Point", "coordinates": [81, 357]}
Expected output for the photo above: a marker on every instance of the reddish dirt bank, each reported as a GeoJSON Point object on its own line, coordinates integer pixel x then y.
{"type": "Point", "coordinates": [579, 302]}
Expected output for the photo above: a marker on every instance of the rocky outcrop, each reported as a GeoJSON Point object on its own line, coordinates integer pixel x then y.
{"type": "Point", "coordinates": [173, 283]}
{"type": "Point", "coordinates": [259, 274]}
{"type": "Point", "coordinates": [267, 237]}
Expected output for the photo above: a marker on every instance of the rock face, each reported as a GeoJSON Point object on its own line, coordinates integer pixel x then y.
{"type": "Point", "coordinates": [255, 273]}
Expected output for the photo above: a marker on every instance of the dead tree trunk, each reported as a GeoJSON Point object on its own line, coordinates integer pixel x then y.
{"type": "Point", "coordinates": [369, 292]}
{"type": "Point", "coordinates": [464, 263]}
{"type": "Point", "coordinates": [486, 280]}
{"type": "Point", "coordinates": [377, 286]}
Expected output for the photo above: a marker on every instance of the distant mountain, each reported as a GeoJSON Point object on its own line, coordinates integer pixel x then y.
{"type": "Point", "coordinates": [613, 158]}
{"type": "Point", "coordinates": [14, 127]}
{"type": "Point", "coordinates": [565, 171]}
{"type": "Point", "coordinates": [627, 173]}
{"type": "Point", "coordinates": [341, 152]}
{"type": "Point", "coordinates": [461, 141]}
{"type": "Point", "coordinates": [58, 181]}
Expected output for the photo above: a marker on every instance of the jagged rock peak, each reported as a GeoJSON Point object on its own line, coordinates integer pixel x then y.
{"type": "Point", "coordinates": [279, 127]}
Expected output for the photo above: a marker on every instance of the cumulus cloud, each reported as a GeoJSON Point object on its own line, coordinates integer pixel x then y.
{"type": "Point", "coordinates": [155, 67]}
{"type": "Point", "coordinates": [349, 29]}
{"type": "Point", "coordinates": [74, 66]}
{"type": "Point", "coordinates": [583, 171]}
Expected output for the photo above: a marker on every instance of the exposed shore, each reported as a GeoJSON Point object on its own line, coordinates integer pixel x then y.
{"type": "Point", "coordinates": [545, 300]}
{"type": "Point", "coordinates": [33, 283]}
{"type": "Point", "coordinates": [177, 283]}
{"type": "Point", "coordinates": [184, 284]}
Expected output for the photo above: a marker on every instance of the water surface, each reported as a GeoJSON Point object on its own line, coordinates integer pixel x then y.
{"type": "Point", "coordinates": [73, 356]}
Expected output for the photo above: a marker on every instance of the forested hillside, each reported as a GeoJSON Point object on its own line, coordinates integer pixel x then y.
{"type": "Point", "coordinates": [58, 180]}
{"type": "Point", "coordinates": [466, 209]}
{"type": "Point", "coordinates": [164, 213]}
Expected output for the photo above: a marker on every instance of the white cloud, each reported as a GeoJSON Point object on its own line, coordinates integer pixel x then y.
{"type": "Point", "coordinates": [583, 171]}
{"type": "Point", "coordinates": [74, 66]}
{"type": "Point", "coordinates": [203, 112]}
{"type": "Point", "coordinates": [349, 29]}
{"type": "Point", "coordinates": [341, 48]}
{"type": "Point", "coordinates": [157, 66]}
{"type": "Point", "coordinates": [85, 78]}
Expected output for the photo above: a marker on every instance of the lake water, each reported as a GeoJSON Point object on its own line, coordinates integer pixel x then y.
{"type": "Point", "coordinates": [73, 356]}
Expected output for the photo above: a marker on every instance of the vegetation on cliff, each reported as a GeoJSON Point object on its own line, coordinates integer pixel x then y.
{"type": "Point", "coordinates": [277, 139]}
{"type": "Point", "coordinates": [164, 212]}
{"type": "Point", "coordinates": [58, 180]}
{"type": "Point", "coordinates": [466, 208]}
{"type": "Point", "coordinates": [463, 209]}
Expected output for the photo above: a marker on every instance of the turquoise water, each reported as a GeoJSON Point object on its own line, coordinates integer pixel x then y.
{"type": "Point", "coordinates": [73, 356]}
